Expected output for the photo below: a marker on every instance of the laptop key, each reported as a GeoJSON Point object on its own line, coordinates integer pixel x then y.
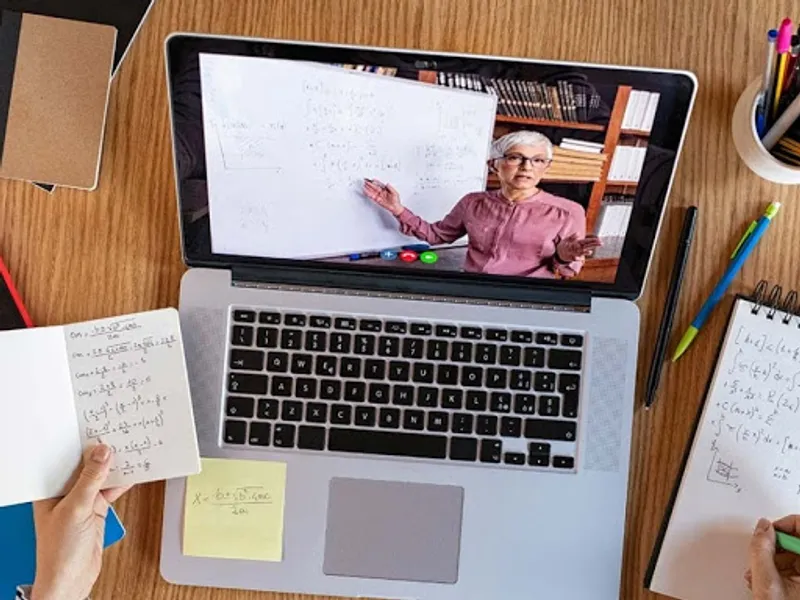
{"type": "Point", "coordinates": [500, 402]}
{"type": "Point", "coordinates": [389, 418]}
{"type": "Point", "coordinates": [447, 375]}
{"type": "Point", "coordinates": [491, 451]}
{"type": "Point", "coordinates": [414, 419]}
{"type": "Point", "coordinates": [345, 323]}
{"type": "Point", "coordinates": [316, 341]}
{"type": "Point", "coordinates": [330, 389]}
{"type": "Point", "coordinates": [341, 414]}
{"type": "Point", "coordinates": [421, 329]}
{"type": "Point", "coordinates": [403, 395]}
{"type": "Point", "coordinates": [476, 400]}
{"type": "Point", "coordinates": [259, 434]}
{"type": "Point", "coordinates": [413, 348]}
{"type": "Point", "coordinates": [374, 368]}
{"type": "Point", "coordinates": [548, 338]}
{"type": "Point", "coordinates": [465, 449]}
{"type": "Point", "coordinates": [568, 382]}
{"type": "Point", "coordinates": [247, 383]}
{"type": "Point", "coordinates": [461, 351]}
{"type": "Point", "coordinates": [292, 410]}
{"type": "Point", "coordinates": [510, 427]}
{"type": "Point", "coordinates": [533, 357]}
{"type": "Point", "coordinates": [326, 365]}
{"type": "Point", "coordinates": [394, 327]}
{"type": "Point", "coordinates": [295, 320]}
{"type": "Point", "coordinates": [388, 443]}
{"type": "Point", "coordinates": [471, 333]}
{"type": "Point", "coordinates": [452, 399]}
{"type": "Point", "coordinates": [565, 359]}
{"type": "Point", "coordinates": [369, 325]}
{"type": "Point", "coordinates": [550, 429]}
{"type": "Point", "coordinates": [399, 370]}
{"type": "Point", "coordinates": [514, 458]}
{"type": "Point", "coordinates": [278, 362]}
{"type": "Point", "coordinates": [571, 339]}
{"type": "Point", "coordinates": [525, 404]}
{"type": "Point", "coordinates": [446, 331]}
{"type": "Point", "coordinates": [355, 391]}
{"type": "Point", "coordinates": [235, 432]}
{"type": "Point", "coordinates": [281, 386]}
{"type": "Point", "coordinates": [340, 343]}
{"type": "Point", "coordinates": [350, 367]}
{"type": "Point", "coordinates": [486, 354]}
{"type": "Point", "coordinates": [247, 360]}
{"type": "Point", "coordinates": [563, 462]}
{"type": "Point", "coordinates": [486, 425]}
{"type": "Point", "coordinates": [520, 379]}
{"type": "Point", "coordinates": [570, 409]}
{"type": "Point", "coordinates": [311, 438]}
{"type": "Point", "coordinates": [510, 355]}
{"type": "Point", "coordinates": [497, 335]}
{"type": "Point", "coordinates": [496, 378]}
{"type": "Point", "coordinates": [239, 406]}
{"type": "Point", "coordinates": [305, 387]}
{"type": "Point", "coordinates": [427, 397]}
{"type": "Point", "coordinates": [522, 337]}
{"type": "Point", "coordinates": [364, 344]}
{"type": "Point", "coordinates": [320, 321]}
{"type": "Point", "coordinates": [462, 423]}
{"type": "Point", "coordinates": [549, 406]}
{"type": "Point", "coordinates": [283, 435]}
{"type": "Point", "coordinates": [291, 339]}
{"type": "Point", "coordinates": [438, 421]}
{"type": "Point", "coordinates": [423, 373]}
{"type": "Point", "coordinates": [365, 416]}
{"type": "Point", "coordinates": [301, 364]}
{"type": "Point", "coordinates": [544, 381]}
{"type": "Point", "coordinates": [437, 350]}
{"type": "Point", "coordinates": [389, 346]}
{"type": "Point", "coordinates": [538, 454]}
{"type": "Point", "coordinates": [267, 337]}
{"type": "Point", "coordinates": [242, 335]}
{"type": "Point", "coordinates": [378, 393]}
{"type": "Point", "coordinates": [269, 318]}
{"type": "Point", "coordinates": [267, 409]}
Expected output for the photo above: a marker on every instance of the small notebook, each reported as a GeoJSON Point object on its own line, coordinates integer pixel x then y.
{"type": "Point", "coordinates": [54, 85]}
{"type": "Point", "coordinates": [121, 381]}
{"type": "Point", "coordinates": [744, 462]}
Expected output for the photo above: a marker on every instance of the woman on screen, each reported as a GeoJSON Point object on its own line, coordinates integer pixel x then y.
{"type": "Point", "coordinates": [516, 230]}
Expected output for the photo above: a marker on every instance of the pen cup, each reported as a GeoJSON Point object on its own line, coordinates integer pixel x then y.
{"type": "Point", "coordinates": [749, 146]}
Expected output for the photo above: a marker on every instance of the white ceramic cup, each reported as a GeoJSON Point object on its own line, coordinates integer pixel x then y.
{"type": "Point", "coordinates": [748, 144]}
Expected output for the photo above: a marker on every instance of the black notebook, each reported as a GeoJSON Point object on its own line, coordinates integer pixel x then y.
{"type": "Point", "coordinates": [744, 460]}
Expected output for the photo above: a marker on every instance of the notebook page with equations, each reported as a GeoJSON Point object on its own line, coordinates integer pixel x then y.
{"type": "Point", "coordinates": [744, 461]}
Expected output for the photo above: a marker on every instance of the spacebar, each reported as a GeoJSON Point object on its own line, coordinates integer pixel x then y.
{"type": "Point", "coordinates": [391, 444]}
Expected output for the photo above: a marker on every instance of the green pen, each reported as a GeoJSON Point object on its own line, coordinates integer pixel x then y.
{"type": "Point", "coordinates": [788, 542]}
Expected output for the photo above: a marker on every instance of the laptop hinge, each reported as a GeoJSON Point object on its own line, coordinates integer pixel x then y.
{"type": "Point", "coordinates": [403, 287]}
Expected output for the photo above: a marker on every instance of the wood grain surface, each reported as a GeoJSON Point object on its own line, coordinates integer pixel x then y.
{"type": "Point", "coordinates": [80, 255]}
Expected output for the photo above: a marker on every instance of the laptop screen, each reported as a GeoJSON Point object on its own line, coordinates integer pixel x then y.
{"type": "Point", "coordinates": [424, 165]}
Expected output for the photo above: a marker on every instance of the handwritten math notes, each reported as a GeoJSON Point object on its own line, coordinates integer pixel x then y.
{"type": "Point", "coordinates": [745, 460]}
{"type": "Point", "coordinates": [234, 509]}
{"type": "Point", "coordinates": [120, 381]}
{"type": "Point", "coordinates": [132, 393]}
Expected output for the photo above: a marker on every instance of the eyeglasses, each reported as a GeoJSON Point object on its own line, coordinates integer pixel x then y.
{"type": "Point", "coordinates": [517, 160]}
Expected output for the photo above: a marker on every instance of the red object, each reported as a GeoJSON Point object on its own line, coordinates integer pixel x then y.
{"type": "Point", "coordinates": [6, 280]}
{"type": "Point", "coordinates": [408, 256]}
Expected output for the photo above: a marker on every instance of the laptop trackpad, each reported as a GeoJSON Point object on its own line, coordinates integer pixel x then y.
{"type": "Point", "coordinates": [393, 530]}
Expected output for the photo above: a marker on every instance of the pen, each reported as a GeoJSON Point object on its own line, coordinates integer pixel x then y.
{"type": "Point", "coordinates": [678, 270]}
{"type": "Point", "coordinates": [782, 124]}
{"type": "Point", "coordinates": [784, 45]}
{"type": "Point", "coordinates": [734, 267]}
{"type": "Point", "coordinates": [788, 542]}
{"type": "Point", "coordinates": [791, 65]}
{"type": "Point", "coordinates": [766, 83]}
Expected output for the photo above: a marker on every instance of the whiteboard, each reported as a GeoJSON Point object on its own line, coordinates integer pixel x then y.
{"type": "Point", "coordinates": [289, 144]}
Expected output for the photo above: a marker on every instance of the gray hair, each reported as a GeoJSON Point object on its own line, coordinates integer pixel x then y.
{"type": "Point", "coordinates": [520, 138]}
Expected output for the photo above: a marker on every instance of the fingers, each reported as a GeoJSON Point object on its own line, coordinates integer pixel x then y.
{"type": "Point", "coordinates": [762, 556]}
{"type": "Point", "coordinates": [113, 494]}
{"type": "Point", "coordinates": [391, 190]}
{"type": "Point", "coordinates": [789, 524]}
{"type": "Point", "coordinates": [96, 465]}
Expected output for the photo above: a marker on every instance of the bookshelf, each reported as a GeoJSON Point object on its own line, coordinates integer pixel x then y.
{"type": "Point", "coordinates": [549, 123]}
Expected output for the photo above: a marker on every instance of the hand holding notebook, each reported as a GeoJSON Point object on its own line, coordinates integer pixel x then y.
{"type": "Point", "coordinates": [120, 381]}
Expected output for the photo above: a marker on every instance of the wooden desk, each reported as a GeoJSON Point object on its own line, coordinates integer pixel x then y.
{"type": "Point", "coordinates": [83, 255]}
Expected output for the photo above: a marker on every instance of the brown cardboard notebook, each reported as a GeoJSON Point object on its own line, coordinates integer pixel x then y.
{"type": "Point", "coordinates": [53, 97]}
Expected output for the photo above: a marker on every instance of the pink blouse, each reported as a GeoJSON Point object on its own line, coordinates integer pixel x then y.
{"type": "Point", "coordinates": [506, 238]}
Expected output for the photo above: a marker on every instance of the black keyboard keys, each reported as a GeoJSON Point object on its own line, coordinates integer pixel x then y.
{"type": "Point", "coordinates": [295, 320]}
{"type": "Point", "coordinates": [452, 399]}
{"type": "Point", "coordinates": [413, 348]}
{"type": "Point", "coordinates": [414, 419]}
{"type": "Point", "coordinates": [311, 438]}
{"type": "Point", "coordinates": [491, 451]}
{"type": "Point", "coordinates": [539, 454]}
{"type": "Point", "coordinates": [379, 393]}
{"type": "Point", "coordinates": [522, 337]}
{"type": "Point", "coordinates": [572, 339]}
{"type": "Point", "coordinates": [395, 327]}
{"type": "Point", "coordinates": [268, 409]}
{"type": "Point", "coordinates": [465, 449]}
{"type": "Point", "coordinates": [510, 355]}
{"type": "Point", "coordinates": [461, 352]}
{"type": "Point", "coordinates": [325, 366]}
{"type": "Point", "coordinates": [500, 402]}
{"type": "Point", "coordinates": [569, 360]}
{"type": "Point", "coordinates": [388, 443]}
{"type": "Point", "coordinates": [421, 329]}
{"type": "Point", "coordinates": [247, 383]}
{"type": "Point", "coordinates": [520, 380]}
{"type": "Point", "coordinates": [389, 418]}
{"type": "Point", "coordinates": [283, 435]}
{"type": "Point", "coordinates": [447, 375]}
{"type": "Point", "coordinates": [281, 386]}
{"type": "Point", "coordinates": [242, 335]}
{"type": "Point", "coordinates": [428, 397]}
{"type": "Point", "coordinates": [292, 411]}
{"type": "Point", "coordinates": [316, 341]}
{"type": "Point", "coordinates": [389, 346]}
{"type": "Point", "coordinates": [301, 364]}
{"type": "Point", "coordinates": [549, 406]}
{"type": "Point", "coordinates": [476, 400]}
{"type": "Point", "coordinates": [355, 391]}
{"type": "Point", "coordinates": [364, 344]}
{"type": "Point", "coordinates": [247, 360]}
{"type": "Point", "coordinates": [345, 323]}
{"type": "Point", "coordinates": [510, 427]}
{"type": "Point", "coordinates": [423, 373]}
{"type": "Point", "coordinates": [239, 406]}
{"type": "Point", "coordinates": [462, 423]}
{"type": "Point", "coordinates": [544, 381]}
{"type": "Point", "coordinates": [244, 316]}
{"type": "Point", "coordinates": [446, 331]}
{"type": "Point", "coordinates": [485, 354]}
{"type": "Point", "coordinates": [370, 325]}
{"type": "Point", "coordinates": [259, 434]}
{"type": "Point", "coordinates": [525, 404]}
{"type": "Point", "coordinates": [316, 412]}
{"type": "Point", "coordinates": [341, 414]}
{"type": "Point", "coordinates": [547, 338]}
{"type": "Point", "coordinates": [291, 339]}
{"type": "Point", "coordinates": [471, 333]}
{"type": "Point", "coordinates": [399, 370]}
{"type": "Point", "coordinates": [570, 408]}
{"type": "Point", "coordinates": [514, 458]}
{"type": "Point", "coordinates": [438, 421]}
{"type": "Point", "coordinates": [330, 389]}
{"type": "Point", "coordinates": [305, 387]}
{"type": "Point", "coordinates": [437, 350]}
{"type": "Point", "coordinates": [403, 395]}
{"type": "Point", "coordinates": [321, 322]}
{"type": "Point", "coordinates": [235, 432]}
{"type": "Point", "coordinates": [563, 462]}
{"type": "Point", "coordinates": [496, 378]}
{"type": "Point", "coordinates": [486, 425]}
{"type": "Point", "coordinates": [365, 416]}
{"type": "Point", "coordinates": [277, 362]}
{"type": "Point", "coordinates": [533, 357]}
{"type": "Point", "coordinates": [340, 342]}
{"type": "Point", "coordinates": [497, 335]}
{"type": "Point", "coordinates": [350, 367]}
{"type": "Point", "coordinates": [374, 369]}
{"type": "Point", "coordinates": [269, 318]}
{"type": "Point", "coordinates": [550, 429]}
{"type": "Point", "coordinates": [267, 337]}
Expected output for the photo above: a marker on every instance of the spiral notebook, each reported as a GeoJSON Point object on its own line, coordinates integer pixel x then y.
{"type": "Point", "coordinates": [744, 462]}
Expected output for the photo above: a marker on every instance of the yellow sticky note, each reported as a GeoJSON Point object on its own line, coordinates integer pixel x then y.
{"type": "Point", "coordinates": [234, 509]}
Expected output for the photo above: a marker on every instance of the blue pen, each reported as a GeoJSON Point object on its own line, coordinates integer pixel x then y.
{"type": "Point", "coordinates": [739, 257]}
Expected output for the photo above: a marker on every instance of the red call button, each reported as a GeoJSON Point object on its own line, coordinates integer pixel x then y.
{"type": "Point", "coordinates": [408, 256]}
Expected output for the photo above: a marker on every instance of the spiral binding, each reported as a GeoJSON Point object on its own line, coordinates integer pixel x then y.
{"type": "Point", "coordinates": [774, 302]}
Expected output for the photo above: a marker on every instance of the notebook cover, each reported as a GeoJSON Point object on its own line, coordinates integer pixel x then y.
{"type": "Point", "coordinates": [662, 532]}
{"type": "Point", "coordinates": [59, 94]}
{"type": "Point", "coordinates": [17, 534]}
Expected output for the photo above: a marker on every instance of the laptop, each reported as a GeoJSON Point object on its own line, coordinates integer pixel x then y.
{"type": "Point", "coordinates": [450, 385]}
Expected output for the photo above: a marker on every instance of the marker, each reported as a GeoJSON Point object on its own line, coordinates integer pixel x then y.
{"type": "Point", "coordinates": [733, 268]}
{"type": "Point", "coordinates": [364, 255]}
{"type": "Point", "coordinates": [784, 46]}
{"type": "Point", "coordinates": [766, 83]}
{"type": "Point", "coordinates": [788, 542]}
{"type": "Point", "coordinates": [417, 247]}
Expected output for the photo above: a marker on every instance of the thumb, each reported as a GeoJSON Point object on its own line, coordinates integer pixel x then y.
{"type": "Point", "coordinates": [762, 557]}
{"type": "Point", "coordinates": [96, 466]}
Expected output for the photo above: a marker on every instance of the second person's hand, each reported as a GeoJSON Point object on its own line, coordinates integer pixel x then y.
{"type": "Point", "coordinates": [774, 574]}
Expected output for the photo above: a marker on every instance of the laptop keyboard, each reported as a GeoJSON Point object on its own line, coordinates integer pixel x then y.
{"type": "Point", "coordinates": [506, 397]}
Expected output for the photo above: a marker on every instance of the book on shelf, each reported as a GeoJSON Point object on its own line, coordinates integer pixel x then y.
{"type": "Point", "coordinates": [627, 163]}
{"type": "Point", "coordinates": [640, 112]}
{"type": "Point", "coordinates": [581, 145]}
{"type": "Point", "coordinates": [576, 165]}
{"type": "Point", "coordinates": [612, 224]}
